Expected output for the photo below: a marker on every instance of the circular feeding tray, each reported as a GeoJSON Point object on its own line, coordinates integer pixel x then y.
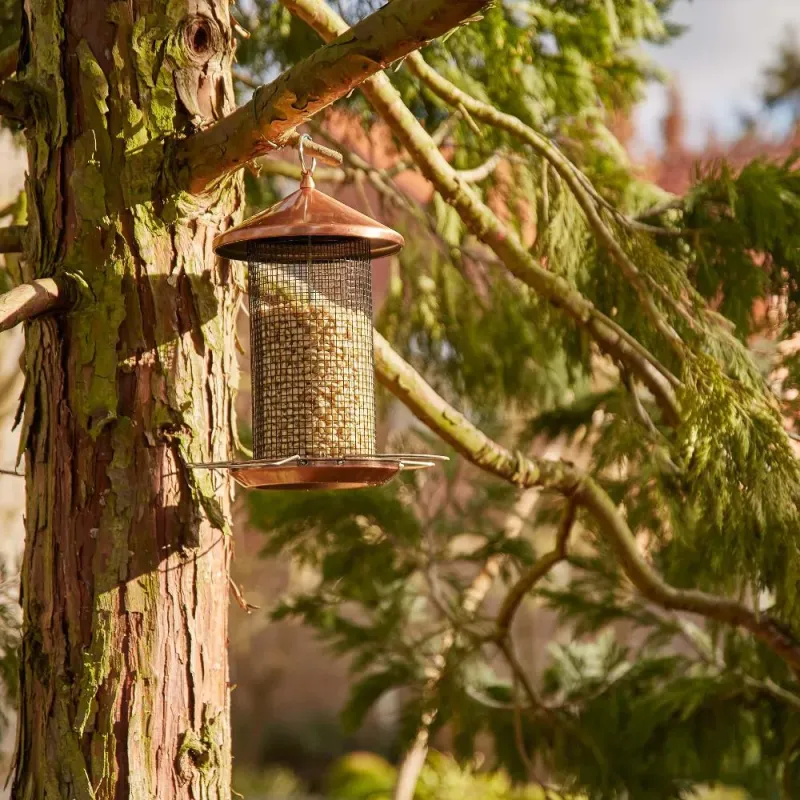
{"type": "Point", "coordinates": [323, 473]}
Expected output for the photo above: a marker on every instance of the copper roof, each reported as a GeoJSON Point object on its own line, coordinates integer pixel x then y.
{"type": "Point", "coordinates": [308, 213]}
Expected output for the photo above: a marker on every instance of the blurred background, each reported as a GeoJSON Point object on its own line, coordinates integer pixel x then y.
{"type": "Point", "coordinates": [727, 87]}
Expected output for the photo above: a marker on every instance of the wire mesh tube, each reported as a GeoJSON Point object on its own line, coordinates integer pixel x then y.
{"type": "Point", "coordinates": [311, 348]}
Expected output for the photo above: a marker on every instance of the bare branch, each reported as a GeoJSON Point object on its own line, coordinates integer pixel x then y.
{"type": "Point", "coordinates": [411, 766]}
{"type": "Point", "coordinates": [331, 72]}
{"type": "Point", "coordinates": [481, 172]}
{"type": "Point", "coordinates": [248, 608]}
{"type": "Point", "coordinates": [324, 154]}
{"type": "Point", "coordinates": [503, 241]}
{"type": "Point", "coordinates": [32, 299]}
{"type": "Point", "coordinates": [239, 29]}
{"type": "Point", "coordinates": [411, 388]}
{"type": "Point", "coordinates": [538, 571]}
{"type": "Point", "coordinates": [276, 166]}
{"type": "Point", "coordinates": [244, 78]}
{"type": "Point", "coordinates": [11, 239]}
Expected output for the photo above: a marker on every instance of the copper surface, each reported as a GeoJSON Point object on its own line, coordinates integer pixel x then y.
{"type": "Point", "coordinates": [350, 475]}
{"type": "Point", "coordinates": [308, 213]}
{"type": "Point", "coordinates": [333, 473]}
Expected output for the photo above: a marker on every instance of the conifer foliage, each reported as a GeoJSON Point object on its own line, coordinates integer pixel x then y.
{"type": "Point", "coordinates": [674, 573]}
{"type": "Point", "coordinates": [612, 371]}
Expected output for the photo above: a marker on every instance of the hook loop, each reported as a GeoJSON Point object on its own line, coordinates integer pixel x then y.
{"type": "Point", "coordinates": [301, 147]}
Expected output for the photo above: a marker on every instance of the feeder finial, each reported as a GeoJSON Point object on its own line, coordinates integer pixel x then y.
{"type": "Point", "coordinates": [307, 177]}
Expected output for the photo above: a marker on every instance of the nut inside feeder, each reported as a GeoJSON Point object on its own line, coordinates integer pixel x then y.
{"type": "Point", "coordinates": [311, 348]}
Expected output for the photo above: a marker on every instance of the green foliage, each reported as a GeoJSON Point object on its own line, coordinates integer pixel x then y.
{"type": "Point", "coordinates": [674, 726]}
{"type": "Point", "coordinates": [545, 62]}
{"type": "Point", "coordinates": [476, 333]}
{"type": "Point", "coordinates": [748, 237]}
{"type": "Point", "coordinates": [743, 482]}
{"type": "Point", "coordinates": [270, 782]}
{"type": "Point", "coordinates": [443, 778]}
{"type": "Point", "coordinates": [714, 500]}
{"type": "Point", "coordinates": [360, 776]}
{"type": "Point", "coordinates": [364, 776]}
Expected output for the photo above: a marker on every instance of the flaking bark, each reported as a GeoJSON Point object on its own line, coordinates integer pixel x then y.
{"type": "Point", "coordinates": [125, 575]}
{"type": "Point", "coordinates": [124, 689]}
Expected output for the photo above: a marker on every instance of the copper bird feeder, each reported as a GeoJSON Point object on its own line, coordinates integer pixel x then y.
{"type": "Point", "coordinates": [311, 345]}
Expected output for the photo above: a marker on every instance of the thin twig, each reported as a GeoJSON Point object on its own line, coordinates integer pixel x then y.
{"type": "Point", "coordinates": [248, 608]}
{"type": "Point", "coordinates": [519, 737]}
{"type": "Point", "coordinates": [507, 649]}
{"type": "Point", "coordinates": [481, 172]}
{"type": "Point", "coordinates": [239, 29]}
{"type": "Point", "coordinates": [471, 600]}
{"type": "Point", "coordinates": [241, 76]}
{"type": "Point", "coordinates": [538, 571]}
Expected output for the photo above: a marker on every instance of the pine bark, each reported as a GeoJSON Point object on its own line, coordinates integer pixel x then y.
{"type": "Point", "coordinates": [125, 579]}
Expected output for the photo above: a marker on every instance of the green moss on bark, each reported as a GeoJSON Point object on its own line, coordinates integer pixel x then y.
{"type": "Point", "coordinates": [121, 613]}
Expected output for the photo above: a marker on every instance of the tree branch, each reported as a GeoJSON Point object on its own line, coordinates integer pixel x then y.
{"type": "Point", "coordinates": [29, 300]}
{"type": "Point", "coordinates": [480, 220]}
{"type": "Point", "coordinates": [481, 172]}
{"type": "Point", "coordinates": [277, 166]}
{"type": "Point", "coordinates": [411, 388]}
{"type": "Point", "coordinates": [437, 137]}
{"type": "Point", "coordinates": [11, 238]}
{"type": "Point", "coordinates": [473, 597]}
{"type": "Point", "coordinates": [319, 151]}
{"type": "Point", "coordinates": [538, 571]}
{"type": "Point", "coordinates": [412, 764]}
{"type": "Point", "coordinates": [585, 194]}
{"type": "Point", "coordinates": [331, 72]}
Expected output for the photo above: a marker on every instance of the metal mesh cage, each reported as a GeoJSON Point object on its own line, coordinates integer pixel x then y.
{"type": "Point", "coordinates": [311, 342]}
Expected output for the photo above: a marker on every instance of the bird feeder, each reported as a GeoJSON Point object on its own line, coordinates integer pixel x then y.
{"type": "Point", "coordinates": [311, 347]}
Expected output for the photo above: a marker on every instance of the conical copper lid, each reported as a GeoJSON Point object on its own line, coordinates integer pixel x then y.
{"type": "Point", "coordinates": [308, 213]}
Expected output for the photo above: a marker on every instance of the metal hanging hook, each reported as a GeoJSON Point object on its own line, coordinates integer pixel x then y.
{"type": "Point", "coordinates": [301, 148]}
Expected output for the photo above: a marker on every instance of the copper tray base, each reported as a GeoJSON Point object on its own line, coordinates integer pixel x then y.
{"type": "Point", "coordinates": [307, 474]}
{"type": "Point", "coordinates": [350, 475]}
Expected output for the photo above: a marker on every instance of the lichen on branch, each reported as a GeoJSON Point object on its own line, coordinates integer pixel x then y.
{"type": "Point", "coordinates": [331, 72]}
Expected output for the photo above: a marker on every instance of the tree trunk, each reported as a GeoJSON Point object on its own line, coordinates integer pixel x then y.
{"type": "Point", "coordinates": [125, 579]}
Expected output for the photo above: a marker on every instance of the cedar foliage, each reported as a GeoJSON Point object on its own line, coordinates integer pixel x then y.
{"type": "Point", "coordinates": [674, 705]}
